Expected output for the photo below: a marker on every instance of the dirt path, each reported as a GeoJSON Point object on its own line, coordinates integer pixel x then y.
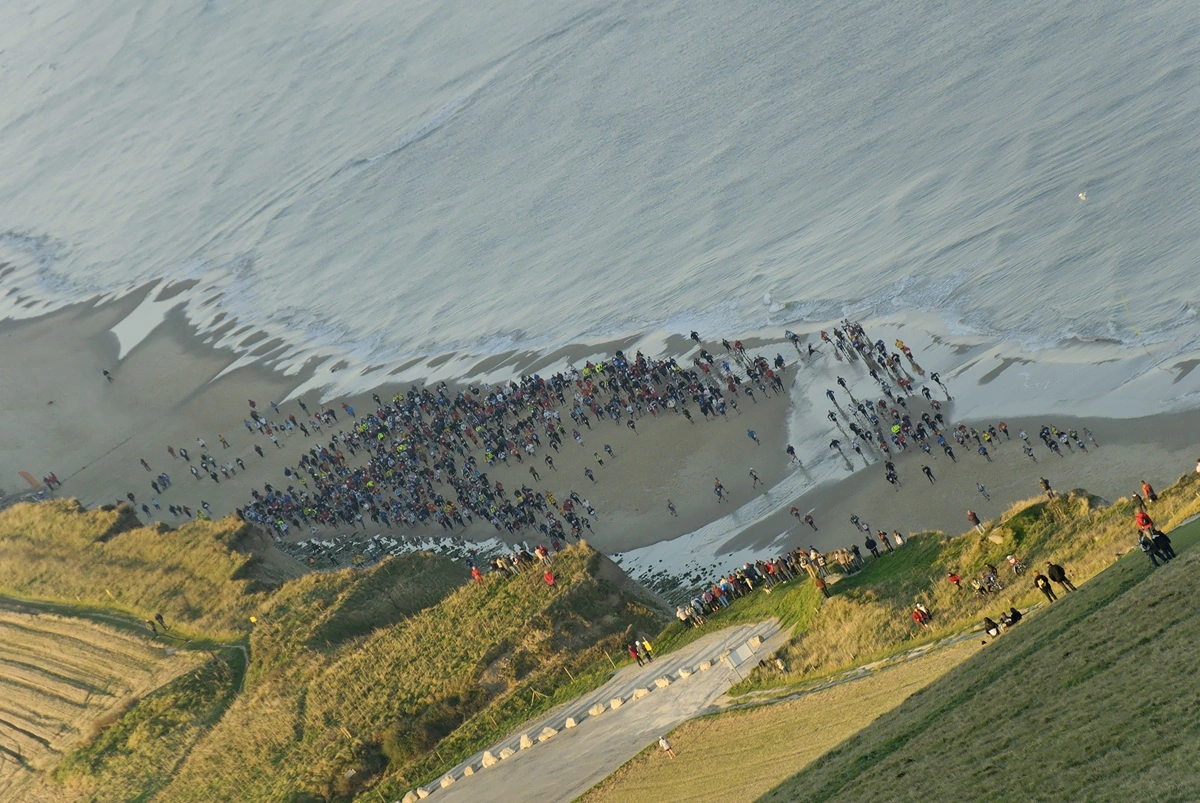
{"type": "Point", "coordinates": [575, 759]}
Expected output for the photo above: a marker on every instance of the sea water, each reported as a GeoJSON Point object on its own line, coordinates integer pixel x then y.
{"type": "Point", "coordinates": [382, 181]}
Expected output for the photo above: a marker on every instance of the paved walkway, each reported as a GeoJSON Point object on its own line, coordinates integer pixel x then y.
{"type": "Point", "coordinates": [575, 759]}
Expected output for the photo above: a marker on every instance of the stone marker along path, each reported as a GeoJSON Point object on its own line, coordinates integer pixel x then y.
{"type": "Point", "coordinates": [599, 738]}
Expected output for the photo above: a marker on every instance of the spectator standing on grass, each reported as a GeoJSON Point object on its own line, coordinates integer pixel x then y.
{"type": "Point", "coordinates": [1059, 575]}
{"type": "Point", "coordinates": [821, 585]}
{"type": "Point", "coordinates": [665, 746]}
{"type": "Point", "coordinates": [1147, 545]}
{"type": "Point", "coordinates": [1043, 585]}
{"type": "Point", "coordinates": [1163, 543]}
{"type": "Point", "coordinates": [647, 649]}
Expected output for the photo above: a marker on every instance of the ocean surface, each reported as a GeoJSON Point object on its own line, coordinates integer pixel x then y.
{"type": "Point", "coordinates": [402, 179]}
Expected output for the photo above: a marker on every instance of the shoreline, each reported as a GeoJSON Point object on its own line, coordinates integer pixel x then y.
{"type": "Point", "coordinates": [172, 386]}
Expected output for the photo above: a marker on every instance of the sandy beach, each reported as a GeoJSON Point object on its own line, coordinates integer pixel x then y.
{"type": "Point", "coordinates": [170, 388]}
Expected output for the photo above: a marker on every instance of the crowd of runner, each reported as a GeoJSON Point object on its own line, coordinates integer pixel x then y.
{"type": "Point", "coordinates": [423, 457]}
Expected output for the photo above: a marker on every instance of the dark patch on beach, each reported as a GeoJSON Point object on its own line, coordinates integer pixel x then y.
{"type": "Point", "coordinates": [524, 361]}
{"type": "Point", "coordinates": [962, 369]}
{"type": "Point", "coordinates": [1004, 365]}
{"type": "Point", "coordinates": [252, 339]}
{"type": "Point", "coordinates": [266, 348]}
{"type": "Point", "coordinates": [442, 359]}
{"type": "Point", "coordinates": [404, 366]}
{"type": "Point", "coordinates": [221, 331]}
{"type": "Point", "coordinates": [1185, 367]}
{"type": "Point", "coordinates": [959, 348]}
{"type": "Point", "coordinates": [175, 288]}
{"type": "Point", "coordinates": [491, 363]}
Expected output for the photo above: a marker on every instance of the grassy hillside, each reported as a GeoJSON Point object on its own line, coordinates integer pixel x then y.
{"type": "Point", "coordinates": [400, 703]}
{"type": "Point", "coordinates": [743, 754]}
{"type": "Point", "coordinates": [329, 687]}
{"type": "Point", "coordinates": [104, 559]}
{"type": "Point", "coordinates": [61, 680]}
{"type": "Point", "coordinates": [869, 614]}
{"type": "Point", "coordinates": [1091, 699]}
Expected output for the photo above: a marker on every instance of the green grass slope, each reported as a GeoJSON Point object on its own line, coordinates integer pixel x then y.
{"type": "Point", "coordinates": [1090, 699]}
{"type": "Point", "coordinates": [869, 615]}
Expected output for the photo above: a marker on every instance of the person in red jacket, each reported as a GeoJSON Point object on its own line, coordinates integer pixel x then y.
{"type": "Point", "coordinates": [475, 573]}
{"type": "Point", "coordinates": [919, 617]}
{"type": "Point", "coordinates": [549, 578]}
{"type": "Point", "coordinates": [1144, 522]}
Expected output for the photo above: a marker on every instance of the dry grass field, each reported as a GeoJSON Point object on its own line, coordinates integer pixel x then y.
{"type": "Point", "coordinates": [62, 680]}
